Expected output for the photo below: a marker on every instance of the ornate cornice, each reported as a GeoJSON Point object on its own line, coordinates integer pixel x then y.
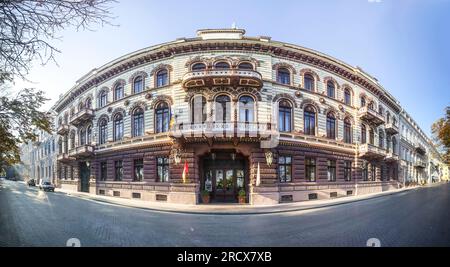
{"type": "Point", "coordinates": [287, 52]}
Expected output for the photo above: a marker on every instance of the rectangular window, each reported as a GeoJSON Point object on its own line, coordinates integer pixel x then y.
{"type": "Point", "coordinates": [138, 170]}
{"type": "Point", "coordinates": [365, 173]}
{"type": "Point", "coordinates": [347, 170]}
{"type": "Point", "coordinates": [372, 171]}
{"type": "Point", "coordinates": [285, 169]}
{"type": "Point", "coordinates": [118, 166]}
{"type": "Point", "coordinates": [331, 170]}
{"type": "Point", "coordinates": [162, 165]}
{"type": "Point", "coordinates": [310, 169]}
{"type": "Point", "coordinates": [103, 171]}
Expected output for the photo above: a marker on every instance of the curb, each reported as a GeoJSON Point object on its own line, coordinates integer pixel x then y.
{"type": "Point", "coordinates": [238, 212]}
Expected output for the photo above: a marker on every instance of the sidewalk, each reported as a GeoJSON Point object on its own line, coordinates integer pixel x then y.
{"type": "Point", "coordinates": [230, 209]}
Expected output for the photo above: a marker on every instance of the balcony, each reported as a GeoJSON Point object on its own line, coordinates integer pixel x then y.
{"type": "Point", "coordinates": [82, 116]}
{"type": "Point", "coordinates": [420, 149]}
{"type": "Point", "coordinates": [371, 116]}
{"type": "Point", "coordinates": [370, 152]}
{"type": "Point", "coordinates": [391, 157]}
{"type": "Point", "coordinates": [82, 151]}
{"type": "Point", "coordinates": [420, 164]}
{"type": "Point", "coordinates": [62, 129]}
{"type": "Point", "coordinates": [225, 77]}
{"type": "Point", "coordinates": [391, 128]}
{"type": "Point", "coordinates": [217, 130]}
{"type": "Point", "coordinates": [64, 158]}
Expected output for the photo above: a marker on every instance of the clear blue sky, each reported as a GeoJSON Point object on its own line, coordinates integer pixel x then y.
{"type": "Point", "coordinates": [403, 43]}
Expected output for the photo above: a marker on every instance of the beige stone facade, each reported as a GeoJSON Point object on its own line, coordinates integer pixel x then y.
{"type": "Point", "coordinates": [277, 123]}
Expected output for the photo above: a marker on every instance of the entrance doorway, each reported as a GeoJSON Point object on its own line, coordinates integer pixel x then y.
{"type": "Point", "coordinates": [224, 175]}
{"type": "Point", "coordinates": [85, 173]}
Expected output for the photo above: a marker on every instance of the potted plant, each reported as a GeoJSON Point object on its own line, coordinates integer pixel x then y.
{"type": "Point", "coordinates": [241, 196]}
{"type": "Point", "coordinates": [205, 196]}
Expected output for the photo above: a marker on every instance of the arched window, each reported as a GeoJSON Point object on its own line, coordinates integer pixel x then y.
{"type": "Point", "coordinates": [380, 110]}
{"type": "Point", "coordinates": [371, 136]}
{"type": "Point", "coordinates": [347, 97]}
{"type": "Point", "coordinates": [72, 112]}
{"type": "Point", "coordinates": [162, 78]}
{"type": "Point", "coordinates": [103, 130]}
{"type": "Point", "coordinates": [118, 92]}
{"type": "Point", "coordinates": [222, 65]}
{"type": "Point", "coordinates": [331, 126]}
{"type": "Point", "coordinates": [118, 127]}
{"type": "Point", "coordinates": [60, 146]}
{"type": "Point", "coordinates": [223, 108]}
{"type": "Point", "coordinates": [138, 122]}
{"type": "Point", "coordinates": [82, 137]}
{"type": "Point", "coordinates": [388, 117]}
{"type": "Point", "coordinates": [380, 139]}
{"type": "Point", "coordinates": [59, 121]}
{"type": "Point", "coordinates": [371, 105]}
{"type": "Point", "coordinates": [72, 140]}
{"type": "Point", "coordinates": [162, 117]}
{"type": "Point", "coordinates": [198, 109]}
{"type": "Point", "coordinates": [347, 131]}
{"type": "Point", "coordinates": [308, 81]}
{"type": "Point", "coordinates": [245, 66]}
{"type": "Point", "coordinates": [88, 103]}
{"type": "Point", "coordinates": [103, 99]}
{"type": "Point", "coordinates": [89, 135]}
{"type": "Point", "coordinates": [66, 118]}
{"type": "Point", "coordinates": [363, 134]}
{"type": "Point", "coordinates": [283, 76]}
{"type": "Point", "coordinates": [246, 109]}
{"type": "Point", "coordinates": [331, 88]}
{"type": "Point", "coordinates": [309, 115]}
{"type": "Point", "coordinates": [198, 67]}
{"type": "Point", "coordinates": [363, 101]}
{"type": "Point", "coordinates": [284, 116]}
{"type": "Point", "coordinates": [80, 107]}
{"type": "Point", "coordinates": [138, 84]}
{"type": "Point", "coordinates": [394, 145]}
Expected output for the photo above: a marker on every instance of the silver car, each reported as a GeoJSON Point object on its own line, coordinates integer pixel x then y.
{"type": "Point", "coordinates": [47, 186]}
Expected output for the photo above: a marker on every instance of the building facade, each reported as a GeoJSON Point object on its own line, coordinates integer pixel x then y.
{"type": "Point", "coordinates": [225, 113]}
{"type": "Point", "coordinates": [39, 157]}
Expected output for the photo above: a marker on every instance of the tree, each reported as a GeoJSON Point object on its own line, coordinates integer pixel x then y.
{"type": "Point", "coordinates": [27, 28]}
{"type": "Point", "coordinates": [441, 134]}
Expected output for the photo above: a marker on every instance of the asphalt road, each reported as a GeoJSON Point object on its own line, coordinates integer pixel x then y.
{"type": "Point", "coordinates": [29, 217]}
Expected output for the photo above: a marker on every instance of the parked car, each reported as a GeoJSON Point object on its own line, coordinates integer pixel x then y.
{"type": "Point", "coordinates": [47, 186]}
{"type": "Point", "coordinates": [31, 182]}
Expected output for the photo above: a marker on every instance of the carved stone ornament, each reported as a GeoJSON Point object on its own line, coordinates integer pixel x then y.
{"type": "Point", "coordinates": [110, 109]}
{"type": "Point", "coordinates": [322, 100]}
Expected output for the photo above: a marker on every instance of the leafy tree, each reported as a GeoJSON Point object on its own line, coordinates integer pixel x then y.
{"type": "Point", "coordinates": [441, 134]}
{"type": "Point", "coordinates": [27, 28]}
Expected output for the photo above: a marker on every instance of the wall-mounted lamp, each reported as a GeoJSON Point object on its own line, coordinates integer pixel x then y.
{"type": "Point", "coordinates": [177, 156]}
{"type": "Point", "coordinates": [269, 157]}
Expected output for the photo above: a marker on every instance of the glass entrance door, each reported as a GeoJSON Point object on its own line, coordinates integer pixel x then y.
{"type": "Point", "coordinates": [224, 178]}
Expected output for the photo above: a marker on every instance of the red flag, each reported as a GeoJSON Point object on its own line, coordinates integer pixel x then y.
{"type": "Point", "coordinates": [185, 172]}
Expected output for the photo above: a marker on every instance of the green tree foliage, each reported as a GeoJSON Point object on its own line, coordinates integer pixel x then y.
{"type": "Point", "coordinates": [441, 134]}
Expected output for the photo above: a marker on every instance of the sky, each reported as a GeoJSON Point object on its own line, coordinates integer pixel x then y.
{"type": "Point", "coordinates": [403, 43]}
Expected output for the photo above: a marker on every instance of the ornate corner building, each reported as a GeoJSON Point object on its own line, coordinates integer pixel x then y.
{"type": "Point", "coordinates": [230, 115]}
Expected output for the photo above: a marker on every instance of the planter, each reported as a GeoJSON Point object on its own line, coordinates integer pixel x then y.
{"type": "Point", "coordinates": [241, 200]}
{"type": "Point", "coordinates": [205, 199]}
